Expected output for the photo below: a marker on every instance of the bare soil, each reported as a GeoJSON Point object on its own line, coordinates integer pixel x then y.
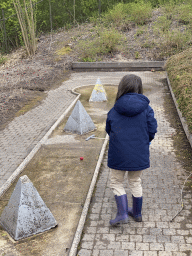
{"type": "Point", "coordinates": [25, 81]}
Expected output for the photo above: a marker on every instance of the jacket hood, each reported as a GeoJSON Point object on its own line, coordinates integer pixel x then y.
{"type": "Point", "coordinates": [131, 104]}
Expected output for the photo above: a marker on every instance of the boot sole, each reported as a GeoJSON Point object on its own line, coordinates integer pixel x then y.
{"type": "Point", "coordinates": [136, 219]}
{"type": "Point", "coordinates": [125, 221]}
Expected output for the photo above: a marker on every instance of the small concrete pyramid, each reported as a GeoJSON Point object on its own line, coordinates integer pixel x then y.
{"type": "Point", "coordinates": [98, 93]}
{"type": "Point", "coordinates": [26, 213]}
{"type": "Point", "coordinates": [79, 121]}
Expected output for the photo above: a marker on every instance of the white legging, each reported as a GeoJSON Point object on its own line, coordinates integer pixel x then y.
{"type": "Point", "coordinates": [134, 179]}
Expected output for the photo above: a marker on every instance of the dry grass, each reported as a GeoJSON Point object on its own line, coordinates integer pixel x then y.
{"type": "Point", "coordinates": [179, 68]}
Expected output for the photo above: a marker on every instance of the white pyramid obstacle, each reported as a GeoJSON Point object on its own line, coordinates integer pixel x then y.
{"type": "Point", "coordinates": [26, 213]}
{"type": "Point", "coordinates": [98, 93]}
{"type": "Point", "coordinates": [79, 121]}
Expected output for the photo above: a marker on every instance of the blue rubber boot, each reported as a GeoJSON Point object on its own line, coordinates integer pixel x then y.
{"type": "Point", "coordinates": [122, 212]}
{"type": "Point", "coordinates": [135, 212]}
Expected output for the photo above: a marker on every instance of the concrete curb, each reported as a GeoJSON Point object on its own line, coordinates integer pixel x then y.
{"type": "Point", "coordinates": [182, 119]}
{"type": "Point", "coordinates": [21, 167]}
{"type": "Point", "coordinates": [79, 230]}
{"type": "Point", "coordinates": [118, 66]}
{"type": "Point", "coordinates": [80, 226]}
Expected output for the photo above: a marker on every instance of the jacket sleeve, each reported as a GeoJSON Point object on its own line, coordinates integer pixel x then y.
{"type": "Point", "coordinates": [108, 126]}
{"type": "Point", "coordinates": [151, 123]}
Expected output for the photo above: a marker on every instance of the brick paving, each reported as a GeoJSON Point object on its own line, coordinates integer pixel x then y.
{"type": "Point", "coordinates": [24, 132]}
{"type": "Point", "coordinates": [162, 183]}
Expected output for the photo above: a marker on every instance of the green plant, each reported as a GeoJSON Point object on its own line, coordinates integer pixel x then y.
{"type": "Point", "coordinates": [161, 25]}
{"type": "Point", "coordinates": [68, 26]}
{"type": "Point", "coordinates": [108, 40]}
{"type": "Point", "coordinates": [2, 60]}
{"type": "Point", "coordinates": [179, 68]}
{"type": "Point", "coordinates": [139, 32]}
{"type": "Point", "coordinates": [28, 26]}
{"type": "Point", "coordinates": [63, 51]}
{"type": "Point", "coordinates": [174, 42]}
{"type": "Point", "coordinates": [146, 44]}
{"type": "Point", "coordinates": [183, 13]}
{"type": "Point", "coordinates": [122, 14]}
{"type": "Point", "coordinates": [105, 41]}
{"type": "Point", "coordinates": [168, 6]}
{"type": "Point", "coordinates": [116, 16]}
{"type": "Point", "coordinates": [88, 59]}
{"type": "Point", "coordinates": [61, 15]}
{"type": "Point", "coordinates": [172, 36]}
{"type": "Point", "coordinates": [137, 55]}
{"type": "Point", "coordinates": [87, 50]}
{"type": "Point", "coordinates": [140, 12]}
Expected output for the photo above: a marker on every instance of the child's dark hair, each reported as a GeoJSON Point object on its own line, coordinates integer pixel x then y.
{"type": "Point", "coordinates": [128, 84]}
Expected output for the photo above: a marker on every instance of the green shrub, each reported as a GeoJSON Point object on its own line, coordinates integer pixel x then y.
{"type": "Point", "coordinates": [104, 42]}
{"type": "Point", "coordinates": [174, 37]}
{"type": "Point", "coordinates": [174, 41]}
{"type": "Point", "coordinates": [168, 6]}
{"type": "Point", "coordinates": [122, 14]}
{"type": "Point", "coordinates": [117, 16]}
{"type": "Point", "coordinates": [140, 12]}
{"type": "Point", "coordinates": [183, 13]}
{"type": "Point", "coordinates": [108, 40]}
{"type": "Point", "coordinates": [161, 25]}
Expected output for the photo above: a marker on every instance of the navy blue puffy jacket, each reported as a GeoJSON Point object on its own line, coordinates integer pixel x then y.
{"type": "Point", "coordinates": [131, 126]}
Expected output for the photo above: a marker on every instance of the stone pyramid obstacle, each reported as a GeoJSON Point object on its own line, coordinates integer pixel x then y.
{"type": "Point", "coordinates": [26, 213]}
{"type": "Point", "coordinates": [98, 93]}
{"type": "Point", "coordinates": [79, 121]}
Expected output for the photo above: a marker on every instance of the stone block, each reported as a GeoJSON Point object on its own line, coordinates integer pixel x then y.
{"type": "Point", "coordinates": [26, 213]}
{"type": "Point", "coordinates": [79, 121]}
{"type": "Point", "coordinates": [98, 94]}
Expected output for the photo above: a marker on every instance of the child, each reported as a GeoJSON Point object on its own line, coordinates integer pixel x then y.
{"type": "Point", "coordinates": [131, 127]}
